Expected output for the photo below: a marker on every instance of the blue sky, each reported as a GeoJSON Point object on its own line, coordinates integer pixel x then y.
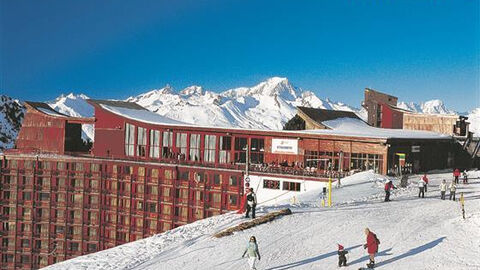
{"type": "Point", "coordinates": [417, 50]}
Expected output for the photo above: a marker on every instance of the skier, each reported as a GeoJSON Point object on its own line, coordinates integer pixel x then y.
{"type": "Point", "coordinates": [371, 246]}
{"type": "Point", "coordinates": [252, 252]}
{"type": "Point", "coordinates": [241, 210]}
{"type": "Point", "coordinates": [465, 177]}
{"type": "Point", "coordinates": [251, 203]}
{"type": "Point", "coordinates": [425, 179]}
{"type": "Point", "coordinates": [443, 189]}
{"type": "Point", "coordinates": [388, 186]}
{"type": "Point", "coordinates": [342, 258]}
{"type": "Point", "coordinates": [453, 188]}
{"type": "Point", "coordinates": [421, 188]}
{"type": "Point", "coordinates": [456, 174]}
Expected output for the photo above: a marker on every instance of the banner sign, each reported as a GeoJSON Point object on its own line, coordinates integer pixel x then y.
{"type": "Point", "coordinates": [285, 146]}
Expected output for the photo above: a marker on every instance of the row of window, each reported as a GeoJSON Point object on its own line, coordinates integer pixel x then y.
{"type": "Point", "coordinates": [189, 146]}
{"type": "Point", "coordinates": [286, 185]}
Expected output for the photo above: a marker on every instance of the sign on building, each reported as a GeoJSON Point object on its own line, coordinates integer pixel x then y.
{"type": "Point", "coordinates": [285, 146]}
{"type": "Point", "coordinates": [415, 148]}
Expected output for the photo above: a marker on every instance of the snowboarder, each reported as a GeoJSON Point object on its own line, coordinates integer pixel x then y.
{"type": "Point", "coordinates": [252, 252]}
{"type": "Point", "coordinates": [443, 189]}
{"type": "Point", "coordinates": [465, 177]}
{"type": "Point", "coordinates": [388, 186]}
{"type": "Point", "coordinates": [421, 188]}
{"type": "Point", "coordinates": [251, 203]}
{"type": "Point", "coordinates": [342, 258]}
{"type": "Point", "coordinates": [371, 246]}
{"type": "Point", "coordinates": [425, 179]}
{"type": "Point", "coordinates": [453, 188]}
{"type": "Point", "coordinates": [456, 174]}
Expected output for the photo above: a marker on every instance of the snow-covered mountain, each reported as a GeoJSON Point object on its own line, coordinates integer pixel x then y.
{"type": "Point", "coordinates": [11, 116]}
{"type": "Point", "coordinates": [268, 105]}
{"type": "Point", "coordinates": [77, 106]}
{"type": "Point", "coordinates": [434, 106]}
{"type": "Point", "coordinates": [474, 119]}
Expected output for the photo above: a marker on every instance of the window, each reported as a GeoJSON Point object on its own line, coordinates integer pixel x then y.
{"type": "Point", "coordinates": [142, 142]}
{"type": "Point", "coordinates": [167, 144]}
{"type": "Point", "coordinates": [27, 195]}
{"type": "Point", "coordinates": [271, 184]}
{"type": "Point", "coordinates": [185, 175]}
{"type": "Point", "coordinates": [311, 159]}
{"type": "Point", "coordinates": [154, 144]}
{"type": "Point", "coordinates": [91, 247]}
{"type": "Point", "coordinates": [25, 259]}
{"type": "Point", "coordinates": [129, 139]}
{"type": "Point", "coordinates": [217, 179]}
{"type": "Point", "coordinates": [195, 147]}
{"type": "Point", "coordinates": [210, 147]}
{"type": "Point", "coordinates": [74, 246]}
{"type": "Point", "coordinates": [152, 207]}
{"type": "Point", "coordinates": [240, 150]}
{"type": "Point", "coordinates": [181, 145]}
{"type": "Point", "coordinates": [256, 151]}
{"type": "Point", "coordinates": [225, 148]}
{"type": "Point", "coordinates": [25, 243]}
{"type": "Point", "coordinates": [44, 196]}
{"type": "Point", "coordinates": [233, 181]}
{"type": "Point", "coordinates": [292, 186]}
{"type": "Point", "coordinates": [232, 199]}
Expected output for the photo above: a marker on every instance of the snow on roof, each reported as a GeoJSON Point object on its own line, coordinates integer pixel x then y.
{"type": "Point", "coordinates": [356, 127]}
{"type": "Point", "coordinates": [350, 127]}
{"type": "Point", "coordinates": [142, 115]}
{"type": "Point", "coordinates": [51, 112]}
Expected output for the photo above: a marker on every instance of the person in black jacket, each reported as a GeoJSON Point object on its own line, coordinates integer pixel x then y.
{"type": "Point", "coordinates": [342, 258]}
{"type": "Point", "coordinates": [251, 203]}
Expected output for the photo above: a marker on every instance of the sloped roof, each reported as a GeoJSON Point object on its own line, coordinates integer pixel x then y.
{"type": "Point", "coordinates": [46, 109]}
{"type": "Point", "coordinates": [320, 115]}
{"type": "Point", "coordinates": [116, 103]}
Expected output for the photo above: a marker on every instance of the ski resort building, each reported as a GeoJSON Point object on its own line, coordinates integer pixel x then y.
{"type": "Point", "coordinates": [383, 112]}
{"type": "Point", "coordinates": [146, 173]}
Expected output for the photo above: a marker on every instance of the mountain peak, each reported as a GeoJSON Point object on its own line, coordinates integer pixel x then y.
{"type": "Point", "coordinates": [275, 86]}
{"type": "Point", "coordinates": [192, 90]}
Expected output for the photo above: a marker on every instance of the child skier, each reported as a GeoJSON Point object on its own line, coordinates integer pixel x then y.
{"type": "Point", "coordinates": [453, 189]}
{"type": "Point", "coordinates": [443, 189]}
{"type": "Point", "coordinates": [252, 252]}
{"type": "Point", "coordinates": [465, 177]}
{"type": "Point", "coordinates": [342, 258]}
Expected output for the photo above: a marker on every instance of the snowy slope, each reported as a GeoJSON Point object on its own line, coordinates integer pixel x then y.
{"type": "Point", "coordinates": [415, 234]}
{"type": "Point", "coordinates": [11, 116]}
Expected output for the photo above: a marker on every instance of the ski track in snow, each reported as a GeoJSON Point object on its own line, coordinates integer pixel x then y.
{"type": "Point", "coordinates": [415, 233]}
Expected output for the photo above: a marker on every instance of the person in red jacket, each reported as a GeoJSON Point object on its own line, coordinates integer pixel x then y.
{"type": "Point", "coordinates": [371, 246]}
{"type": "Point", "coordinates": [425, 179]}
{"type": "Point", "coordinates": [388, 186]}
{"type": "Point", "coordinates": [456, 174]}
